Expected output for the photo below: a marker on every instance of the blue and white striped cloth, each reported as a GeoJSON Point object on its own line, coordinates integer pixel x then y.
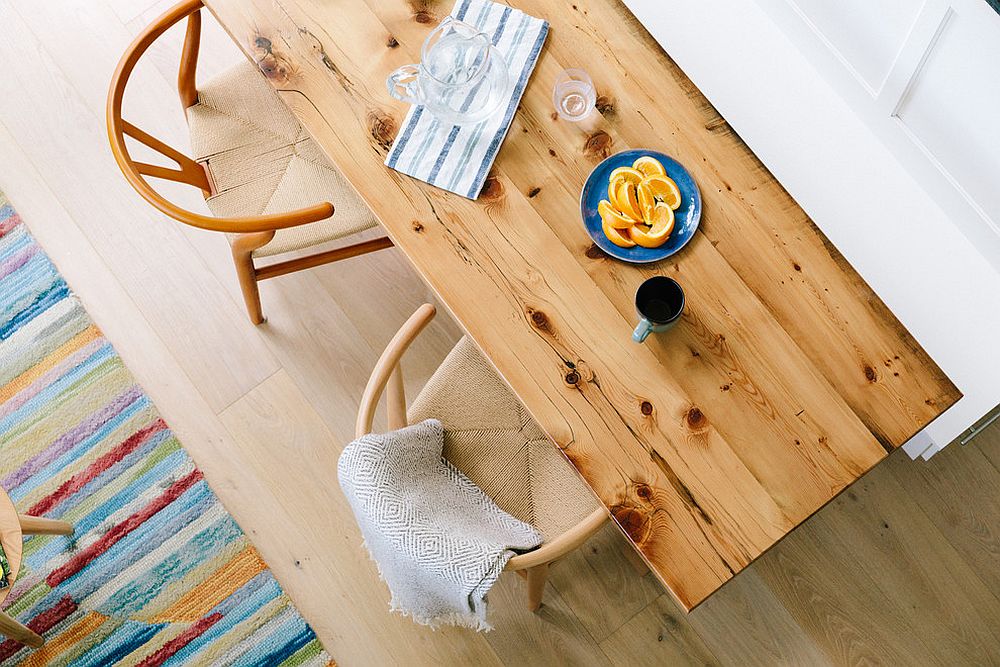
{"type": "Point", "coordinates": [458, 158]}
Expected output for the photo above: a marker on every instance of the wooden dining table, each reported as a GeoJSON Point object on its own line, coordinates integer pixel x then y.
{"type": "Point", "coordinates": [786, 379]}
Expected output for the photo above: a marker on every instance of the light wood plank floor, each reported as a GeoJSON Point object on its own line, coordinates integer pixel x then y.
{"type": "Point", "coordinates": [902, 569]}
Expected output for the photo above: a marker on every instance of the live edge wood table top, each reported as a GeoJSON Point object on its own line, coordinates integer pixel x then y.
{"type": "Point", "coordinates": [787, 378]}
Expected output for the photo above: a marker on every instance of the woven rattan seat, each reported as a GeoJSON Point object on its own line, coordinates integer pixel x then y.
{"type": "Point", "coordinates": [262, 161]}
{"type": "Point", "coordinates": [491, 438]}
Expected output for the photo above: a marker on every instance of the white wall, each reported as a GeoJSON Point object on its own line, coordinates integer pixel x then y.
{"type": "Point", "coordinates": [922, 74]}
{"type": "Point", "coordinates": [841, 172]}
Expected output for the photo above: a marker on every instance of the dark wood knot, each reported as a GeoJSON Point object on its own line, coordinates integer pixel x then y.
{"type": "Point", "coordinates": [421, 11]}
{"type": "Point", "coordinates": [870, 373]}
{"type": "Point", "coordinates": [533, 192]}
{"type": "Point", "coordinates": [643, 491]}
{"type": "Point", "coordinates": [274, 68]}
{"type": "Point", "coordinates": [598, 145]}
{"type": "Point", "coordinates": [646, 408]}
{"type": "Point", "coordinates": [605, 105]}
{"type": "Point", "coordinates": [418, 226]}
{"type": "Point", "coordinates": [539, 319]}
{"type": "Point", "coordinates": [552, 152]}
{"type": "Point", "coordinates": [632, 520]}
{"type": "Point", "coordinates": [272, 65]}
{"type": "Point", "coordinates": [391, 42]}
{"type": "Point", "coordinates": [382, 128]}
{"type": "Point", "coordinates": [593, 252]}
{"type": "Point", "coordinates": [492, 189]}
{"type": "Point", "coordinates": [695, 418]}
{"type": "Point", "coordinates": [572, 378]}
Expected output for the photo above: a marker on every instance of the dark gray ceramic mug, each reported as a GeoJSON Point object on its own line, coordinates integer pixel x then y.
{"type": "Point", "coordinates": [659, 301]}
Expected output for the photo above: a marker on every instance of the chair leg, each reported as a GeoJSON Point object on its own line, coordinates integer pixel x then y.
{"type": "Point", "coordinates": [37, 525]}
{"type": "Point", "coordinates": [19, 632]}
{"type": "Point", "coordinates": [536, 577]}
{"type": "Point", "coordinates": [248, 284]}
{"type": "Point", "coordinates": [243, 247]}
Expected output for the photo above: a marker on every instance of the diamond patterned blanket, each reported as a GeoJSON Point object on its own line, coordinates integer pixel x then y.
{"type": "Point", "coordinates": [439, 542]}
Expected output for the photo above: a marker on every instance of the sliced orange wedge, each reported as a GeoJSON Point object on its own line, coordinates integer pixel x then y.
{"type": "Point", "coordinates": [620, 237]}
{"type": "Point", "coordinates": [628, 173]}
{"type": "Point", "coordinates": [612, 217]}
{"type": "Point", "coordinates": [659, 230]}
{"type": "Point", "coordinates": [646, 202]}
{"type": "Point", "coordinates": [628, 201]}
{"type": "Point", "coordinates": [649, 166]}
{"type": "Point", "coordinates": [664, 189]}
{"type": "Point", "coordinates": [614, 187]}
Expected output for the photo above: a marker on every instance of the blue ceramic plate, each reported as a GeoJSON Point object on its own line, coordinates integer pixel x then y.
{"type": "Point", "coordinates": [686, 217]}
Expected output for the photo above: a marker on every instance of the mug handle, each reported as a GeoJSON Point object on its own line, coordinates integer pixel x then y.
{"type": "Point", "coordinates": [402, 84]}
{"type": "Point", "coordinates": [642, 330]}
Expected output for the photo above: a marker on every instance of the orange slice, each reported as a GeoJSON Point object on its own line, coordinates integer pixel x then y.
{"type": "Point", "coordinates": [614, 187]}
{"type": "Point", "coordinates": [649, 166]}
{"type": "Point", "coordinates": [612, 217]}
{"type": "Point", "coordinates": [628, 200]}
{"type": "Point", "coordinates": [646, 202]}
{"type": "Point", "coordinates": [664, 189]}
{"type": "Point", "coordinates": [628, 173]}
{"type": "Point", "coordinates": [620, 237]}
{"type": "Point", "coordinates": [658, 232]}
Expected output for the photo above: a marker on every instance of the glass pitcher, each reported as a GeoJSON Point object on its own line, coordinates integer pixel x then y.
{"type": "Point", "coordinates": [461, 78]}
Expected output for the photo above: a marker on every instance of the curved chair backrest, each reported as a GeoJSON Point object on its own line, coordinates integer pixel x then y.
{"type": "Point", "coordinates": [387, 377]}
{"type": "Point", "coordinates": [188, 171]}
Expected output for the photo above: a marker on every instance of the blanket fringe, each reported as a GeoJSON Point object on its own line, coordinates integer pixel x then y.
{"type": "Point", "coordinates": [473, 621]}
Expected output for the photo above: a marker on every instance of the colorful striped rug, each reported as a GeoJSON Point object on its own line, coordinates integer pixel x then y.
{"type": "Point", "coordinates": [157, 572]}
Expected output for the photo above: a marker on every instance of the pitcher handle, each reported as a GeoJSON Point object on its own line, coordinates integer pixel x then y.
{"type": "Point", "coordinates": [641, 331]}
{"type": "Point", "coordinates": [402, 84]}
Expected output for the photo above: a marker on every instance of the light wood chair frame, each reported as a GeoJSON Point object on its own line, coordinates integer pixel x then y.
{"type": "Point", "coordinates": [387, 378]}
{"type": "Point", "coordinates": [12, 535]}
{"type": "Point", "coordinates": [254, 231]}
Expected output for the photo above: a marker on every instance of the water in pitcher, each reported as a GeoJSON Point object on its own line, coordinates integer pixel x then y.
{"type": "Point", "coordinates": [455, 58]}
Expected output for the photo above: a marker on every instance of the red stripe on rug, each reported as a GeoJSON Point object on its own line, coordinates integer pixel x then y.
{"type": "Point", "coordinates": [85, 476]}
{"type": "Point", "coordinates": [77, 562]}
{"type": "Point", "coordinates": [41, 624]}
{"type": "Point", "coordinates": [10, 223]}
{"type": "Point", "coordinates": [168, 650]}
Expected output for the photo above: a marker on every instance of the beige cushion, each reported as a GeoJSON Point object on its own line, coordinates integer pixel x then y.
{"type": "Point", "coordinates": [262, 161]}
{"type": "Point", "coordinates": [490, 437]}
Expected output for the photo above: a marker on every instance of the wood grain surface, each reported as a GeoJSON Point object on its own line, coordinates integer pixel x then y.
{"type": "Point", "coordinates": [787, 378]}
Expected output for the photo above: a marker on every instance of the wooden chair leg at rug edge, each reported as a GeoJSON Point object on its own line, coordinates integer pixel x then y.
{"type": "Point", "coordinates": [387, 376]}
{"type": "Point", "coordinates": [31, 525]}
{"type": "Point", "coordinates": [19, 632]}
{"type": "Point", "coordinates": [37, 525]}
{"type": "Point", "coordinates": [244, 245]}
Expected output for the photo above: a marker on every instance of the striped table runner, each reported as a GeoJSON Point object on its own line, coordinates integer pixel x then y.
{"type": "Point", "coordinates": [156, 572]}
{"type": "Point", "coordinates": [458, 158]}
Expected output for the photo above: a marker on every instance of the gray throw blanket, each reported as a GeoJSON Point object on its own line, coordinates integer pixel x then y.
{"type": "Point", "coordinates": [439, 542]}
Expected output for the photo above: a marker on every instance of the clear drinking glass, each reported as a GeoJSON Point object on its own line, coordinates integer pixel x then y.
{"type": "Point", "coordinates": [574, 95]}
